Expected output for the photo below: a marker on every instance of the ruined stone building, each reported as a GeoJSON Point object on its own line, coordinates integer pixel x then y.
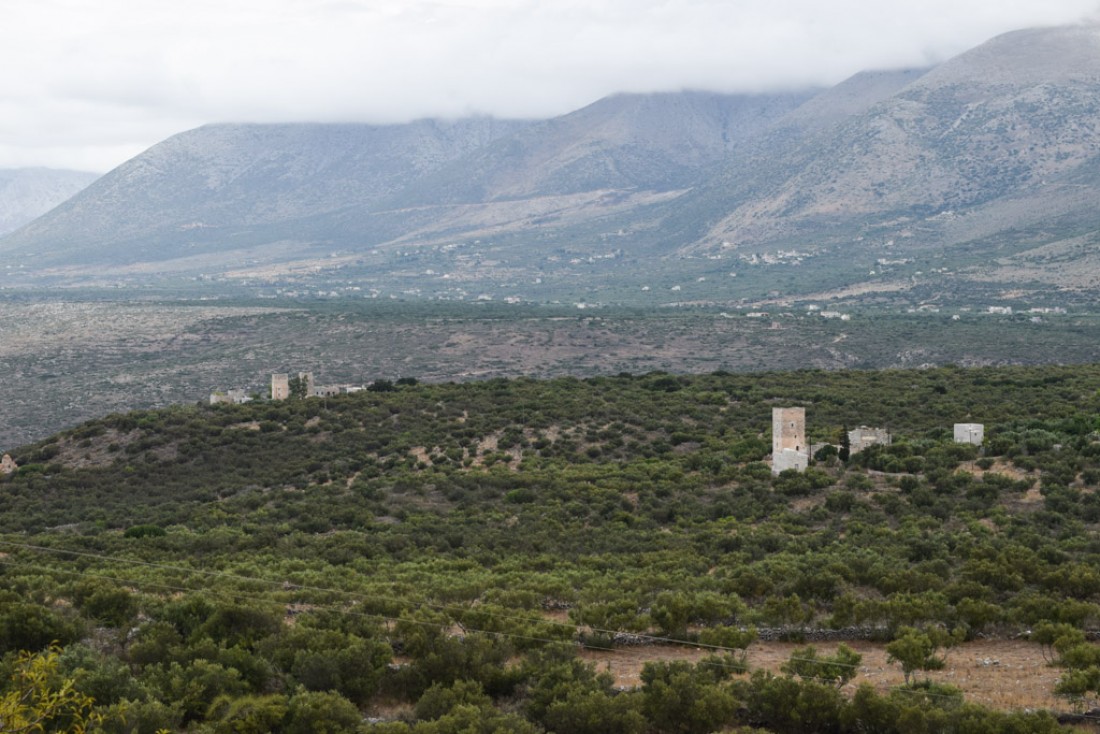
{"type": "Point", "coordinates": [280, 386]}
{"type": "Point", "coordinates": [236, 396]}
{"type": "Point", "coordinates": [281, 383]}
{"type": "Point", "coordinates": [7, 465]}
{"type": "Point", "coordinates": [789, 447]}
{"type": "Point", "coordinates": [864, 437]}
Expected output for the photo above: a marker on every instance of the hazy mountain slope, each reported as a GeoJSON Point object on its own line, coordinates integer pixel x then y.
{"type": "Point", "coordinates": [981, 158]}
{"type": "Point", "coordinates": [997, 121]}
{"type": "Point", "coordinates": [853, 96]}
{"type": "Point", "coordinates": [769, 159]}
{"type": "Point", "coordinates": [648, 141]}
{"type": "Point", "coordinates": [608, 162]}
{"type": "Point", "coordinates": [26, 193]}
{"type": "Point", "coordinates": [226, 187]}
{"type": "Point", "coordinates": [199, 187]}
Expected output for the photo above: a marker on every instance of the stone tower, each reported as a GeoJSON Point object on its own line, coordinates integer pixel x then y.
{"type": "Point", "coordinates": [280, 386]}
{"type": "Point", "coordinates": [789, 448]}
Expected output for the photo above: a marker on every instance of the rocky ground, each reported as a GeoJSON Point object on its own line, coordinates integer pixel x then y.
{"type": "Point", "coordinates": [65, 362]}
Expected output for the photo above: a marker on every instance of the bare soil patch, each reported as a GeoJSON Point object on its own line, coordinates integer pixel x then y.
{"type": "Point", "coordinates": [1008, 675]}
{"type": "Point", "coordinates": [96, 451]}
{"type": "Point", "coordinates": [421, 454]}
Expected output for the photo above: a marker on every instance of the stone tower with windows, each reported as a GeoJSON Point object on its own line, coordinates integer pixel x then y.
{"type": "Point", "coordinates": [789, 447]}
{"type": "Point", "coordinates": [280, 386]}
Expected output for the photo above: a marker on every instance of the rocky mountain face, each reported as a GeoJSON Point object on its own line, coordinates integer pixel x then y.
{"type": "Point", "coordinates": [341, 184]}
{"type": "Point", "coordinates": [192, 192]}
{"type": "Point", "coordinates": [982, 160]}
{"type": "Point", "coordinates": [1017, 118]}
{"type": "Point", "coordinates": [27, 193]}
{"type": "Point", "coordinates": [657, 142]}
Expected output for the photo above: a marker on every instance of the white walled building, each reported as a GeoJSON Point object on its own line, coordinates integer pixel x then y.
{"type": "Point", "coordinates": [971, 433]}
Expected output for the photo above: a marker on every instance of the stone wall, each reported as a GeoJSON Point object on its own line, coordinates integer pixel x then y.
{"type": "Point", "coordinates": [864, 437]}
{"type": "Point", "coordinates": [789, 459]}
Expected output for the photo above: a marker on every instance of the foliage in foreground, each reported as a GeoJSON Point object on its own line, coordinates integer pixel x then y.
{"type": "Point", "coordinates": [37, 700]}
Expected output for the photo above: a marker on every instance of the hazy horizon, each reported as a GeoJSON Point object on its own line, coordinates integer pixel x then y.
{"type": "Point", "coordinates": [98, 85]}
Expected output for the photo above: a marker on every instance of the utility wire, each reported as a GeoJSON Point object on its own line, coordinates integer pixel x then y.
{"type": "Point", "coordinates": [412, 604]}
{"type": "Point", "coordinates": [238, 596]}
{"type": "Point", "coordinates": [454, 610]}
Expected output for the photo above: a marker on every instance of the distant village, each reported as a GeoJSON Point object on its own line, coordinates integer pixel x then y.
{"type": "Point", "coordinates": [283, 386]}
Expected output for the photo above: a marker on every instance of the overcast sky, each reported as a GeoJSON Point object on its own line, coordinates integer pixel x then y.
{"type": "Point", "coordinates": [89, 84]}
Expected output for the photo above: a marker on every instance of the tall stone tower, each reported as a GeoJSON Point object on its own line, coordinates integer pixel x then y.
{"type": "Point", "coordinates": [280, 386]}
{"type": "Point", "coordinates": [789, 447]}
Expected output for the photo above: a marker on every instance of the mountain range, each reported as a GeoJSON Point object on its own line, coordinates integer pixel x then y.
{"type": "Point", "coordinates": [978, 174]}
{"type": "Point", "coordinates": [27, 193]}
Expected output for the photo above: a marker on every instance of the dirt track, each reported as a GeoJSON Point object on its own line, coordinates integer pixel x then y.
{"type": "Point", "coordinates": [1003, 674]}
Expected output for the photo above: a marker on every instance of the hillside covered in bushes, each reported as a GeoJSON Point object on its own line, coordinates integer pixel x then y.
{"type": "Point", "coordinates": [433, 557]}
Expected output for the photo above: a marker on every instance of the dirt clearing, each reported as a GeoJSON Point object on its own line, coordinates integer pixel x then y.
{"type": "Point", "coordinates": [1008, 675]}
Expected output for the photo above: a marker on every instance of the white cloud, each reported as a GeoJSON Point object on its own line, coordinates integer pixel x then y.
{"type": "Point", "coordinates": [86, 85]}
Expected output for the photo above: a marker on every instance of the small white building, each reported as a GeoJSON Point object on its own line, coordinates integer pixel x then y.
{"type": "Point", "coordinates": [971, 433]}
{"type": "Point", "coordinates": [789, 459]}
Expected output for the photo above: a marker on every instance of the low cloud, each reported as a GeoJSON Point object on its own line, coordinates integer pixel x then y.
{"type": "Point", "coordinates": [96, 84]}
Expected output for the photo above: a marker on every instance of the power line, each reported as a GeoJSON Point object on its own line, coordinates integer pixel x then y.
{"type": "Point", "coordinates": [454, 610]}
{"type": "Point", "coordinates": [239, 596]}
{"type": "Point", "coordinates": [575, 629]}
{"type": "Point", "coordinates": [411, 604]}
